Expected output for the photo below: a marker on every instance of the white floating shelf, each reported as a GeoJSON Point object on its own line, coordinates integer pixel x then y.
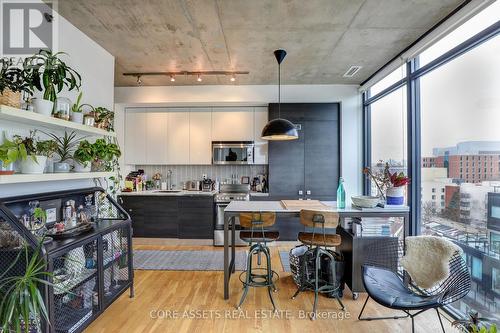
{"type": "Point", "coordinates": [29, 178]}
{"type": "Point", "coordinates": [37, 120]}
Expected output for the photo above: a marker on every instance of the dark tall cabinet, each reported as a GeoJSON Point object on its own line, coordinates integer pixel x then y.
{"type": "Point", "coordinates": [307, 168]}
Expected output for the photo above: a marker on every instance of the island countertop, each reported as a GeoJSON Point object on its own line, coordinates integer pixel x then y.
{"type": "Point", "coordinates": [168, 193]}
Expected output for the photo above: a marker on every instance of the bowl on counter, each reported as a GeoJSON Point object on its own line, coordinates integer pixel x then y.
{"type": "Point", "coordinates": [365, 201]}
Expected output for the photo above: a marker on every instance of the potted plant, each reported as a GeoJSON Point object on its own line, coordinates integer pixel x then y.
{"type": "Point", "coordinates": [25, 150]}
{"type": "Point", "coordinates": [10, 152]}
{"type": "Point", "coordinates": [22, 306]}
{"type": "Point", "coordinates": [77, 110]}
{"type": "Point", "coordinates": [12, 84]}
{"type": "Point", "coordinates": [474, 324]}
{"type": "Point", "coordinates": [83, 156]}
{"type": "Point", "coordinates": [47, 148]}
{"type": "Point", "coordinates": [104, 118]}
{"type": "Point", "coordinates": [104, 154]}
{"type": "Point", "coordinates": [46, 72]}
{"type": "Point", "coordinates": [390, 185]}
{"type": "Point", "coordinates": [65, 147]}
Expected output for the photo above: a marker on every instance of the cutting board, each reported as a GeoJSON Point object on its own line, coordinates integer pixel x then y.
{"type": "Point", "coordinates": [303, 204]}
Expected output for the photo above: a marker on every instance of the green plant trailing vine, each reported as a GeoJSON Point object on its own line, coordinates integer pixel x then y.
{"type": "Point", "coordinates": [46, 72]}
{"type": "Point", "coordinates": [84, 153]}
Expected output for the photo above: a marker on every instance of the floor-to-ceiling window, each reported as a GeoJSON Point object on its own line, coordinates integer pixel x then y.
{"type": "Point", "coordinates": [456, 86]}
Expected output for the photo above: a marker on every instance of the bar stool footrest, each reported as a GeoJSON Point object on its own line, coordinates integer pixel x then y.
{"type": "Point", "coordinates": [264, 282]}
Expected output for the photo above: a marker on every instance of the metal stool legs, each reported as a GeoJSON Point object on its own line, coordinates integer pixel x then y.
{"type": "Point", "coordinates": [258, 280]}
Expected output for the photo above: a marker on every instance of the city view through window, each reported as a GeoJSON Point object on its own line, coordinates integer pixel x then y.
{"type": "Point", "coordinates": [460, 165]}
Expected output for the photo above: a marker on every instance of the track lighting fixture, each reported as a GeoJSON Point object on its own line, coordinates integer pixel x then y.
{"type": "Point", "coordinates": [139, 81]}
{"type": "Point", "coordinates": [233, 77]}
{"type": "Point", "coordinates": [199, 78]}
{"type": "Point", "coordinates": [172, 78]}
{"type": "Point", "coordinates": [198, 74]}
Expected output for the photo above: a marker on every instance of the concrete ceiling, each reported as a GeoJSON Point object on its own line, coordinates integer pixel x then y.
{"type": "Point", "coordinates": [323, 38]}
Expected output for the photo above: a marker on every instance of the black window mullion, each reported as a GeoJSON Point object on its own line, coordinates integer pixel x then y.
{"type": "Point", "coordinates": [367, 145]}
{"type": "Point", "coordinates": [413, 149]}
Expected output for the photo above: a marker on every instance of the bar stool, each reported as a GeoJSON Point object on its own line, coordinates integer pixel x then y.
{"type": "Point", "coordinates": [315, 241]}
{"type": "Point", "coordinates": [258, 237]}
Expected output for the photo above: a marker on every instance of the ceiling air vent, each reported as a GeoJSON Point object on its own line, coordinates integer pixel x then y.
{"type": "Point", "coordinates": [352, 71]}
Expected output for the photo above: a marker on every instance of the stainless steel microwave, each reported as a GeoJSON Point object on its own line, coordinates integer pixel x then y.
{"type": "Point", "coordinates": [233, 152]}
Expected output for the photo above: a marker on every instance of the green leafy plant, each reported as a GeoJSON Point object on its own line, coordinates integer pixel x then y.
{"type": "Point", "coordinates": [104, 118]}
{"type": "Point", "coordinates": [474, 324]}
{"type": "Point", "coordinates": [65, 145]}
{"type": "Point", "coordinates": [12, 78]}
{"type": "Point", "coordinates": [105, 154]}
{"type": "Point", "coordinates": [10, 151]}
{"type": "Point", "coordinates": [22, 304]}
{"type": "Point", "coordinates": [46, 72]}
{"type": "Point", "coordinates": [77, 106]}
{"type": "Point", "coordinates": [40, 214]}
{"type": "Point", "coordinates": [84, 153]}
{"type": "Point", "coordinates": [46, 148]}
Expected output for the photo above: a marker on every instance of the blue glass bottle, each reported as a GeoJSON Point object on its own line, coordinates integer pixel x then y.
{"type": "Point", "coordinates": [341, 194]}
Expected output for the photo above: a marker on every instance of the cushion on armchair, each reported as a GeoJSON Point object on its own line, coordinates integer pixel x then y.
{"type": "Point", "coordinates": [427, 259]}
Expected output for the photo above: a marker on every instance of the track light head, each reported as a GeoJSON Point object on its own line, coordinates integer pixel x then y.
{"type": "Point", "coordinates": [139, 81]}
{"type": "Point", "coordinates": [199, 78]}
{"type": "Point", "coordinates": [172, 78]}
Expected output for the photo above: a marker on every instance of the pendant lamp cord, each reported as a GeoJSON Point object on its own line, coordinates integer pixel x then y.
{"type": "Point", "coordinates": [279, 91]}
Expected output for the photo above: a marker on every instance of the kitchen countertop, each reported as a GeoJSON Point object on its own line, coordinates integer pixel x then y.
{"type": "Point", "coordinates": [276, 206]}
{"type": "Point", "coordinates": [170, 194]}
{"type": "Point", "coordinates": [259, 194]}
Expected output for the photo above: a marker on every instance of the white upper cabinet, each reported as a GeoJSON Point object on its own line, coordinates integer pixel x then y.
{"type": "Point", "coordinates": [156, 136]}
{"type": "Point", "coordinates": [200, 136]}
{"type": "Point", "coordinates": [178, 136]}
{"type": "Point", "coordinates": [161, 136]}
{"type": "Point", "coordinates": [260, 120]}
{"type": "Point", "coordinates": [232, 124]}
{"type": "Point", "coordinates": [135, 136]}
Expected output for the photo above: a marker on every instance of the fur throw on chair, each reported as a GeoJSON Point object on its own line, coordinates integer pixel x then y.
{"type": "Point", "coordinates": [427, 259]}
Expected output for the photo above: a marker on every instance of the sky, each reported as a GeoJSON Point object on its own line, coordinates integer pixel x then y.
{"type": "Point", "coordinates": [460, 101]}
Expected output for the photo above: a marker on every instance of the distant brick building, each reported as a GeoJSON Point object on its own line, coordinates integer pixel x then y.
{"type": "Point", "coordinates": [470, 162]}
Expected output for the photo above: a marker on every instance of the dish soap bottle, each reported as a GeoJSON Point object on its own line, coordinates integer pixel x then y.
{"type": "Point", "coordinates": [341, 194]}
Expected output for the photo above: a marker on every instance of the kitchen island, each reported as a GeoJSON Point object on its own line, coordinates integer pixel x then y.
{"type": "Point", "coordinates": [237, 207]}
{"type": "Point", "coordinates": [170, 214]}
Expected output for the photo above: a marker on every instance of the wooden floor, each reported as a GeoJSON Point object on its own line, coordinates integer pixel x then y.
{"type": "Point", "coordinates": [171, 295]}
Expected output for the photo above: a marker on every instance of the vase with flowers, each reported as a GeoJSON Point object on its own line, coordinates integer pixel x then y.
{"type": "Point", "coordinates": [390, 185]}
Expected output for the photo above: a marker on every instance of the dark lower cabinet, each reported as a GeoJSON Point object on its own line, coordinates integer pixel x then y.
{"type": "Point", "coordinates": [196, 218]}
{"type": "Point", "coordinates": [185, 217]}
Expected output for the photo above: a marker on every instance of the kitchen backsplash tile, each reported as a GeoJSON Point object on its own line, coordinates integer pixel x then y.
{"type": "Point", "coordinates": [183, 173]}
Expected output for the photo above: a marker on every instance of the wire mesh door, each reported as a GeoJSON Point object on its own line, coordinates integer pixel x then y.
{"type": "Point", "coordinates": [116, 263]}
{"type": "Point", "coordinates": [76, 288]}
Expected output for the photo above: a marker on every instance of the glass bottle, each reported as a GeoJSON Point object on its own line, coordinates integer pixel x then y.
{"type": "Point", "coordinates": [341, 194]}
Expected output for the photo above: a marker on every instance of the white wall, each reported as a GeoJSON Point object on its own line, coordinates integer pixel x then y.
{"type": "Point", "coordinates": [96, 67]}
{"type": "Point", "coordinates": [347, 95]}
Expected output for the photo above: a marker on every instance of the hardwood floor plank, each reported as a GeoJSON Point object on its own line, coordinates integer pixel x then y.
{"type": "Point", "coordinates": [172, 294]}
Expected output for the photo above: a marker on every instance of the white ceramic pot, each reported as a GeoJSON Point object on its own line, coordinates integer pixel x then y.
{"type": "Point", "coordinates": [43, 106]}
{"type": "Point", "coordinates": [77, 117]}
{"type": "Point", "coordinates": [34, 167]}
{"type": "Point", "coordinates": [61, 167]}
{"type": "Point", "coordinates": [81, 168]}
{"type": "Point", "coordinates": [395, 195]}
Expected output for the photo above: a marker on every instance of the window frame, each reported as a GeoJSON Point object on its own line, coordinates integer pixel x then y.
{"type": "Point", "coordinates": [414, 129]}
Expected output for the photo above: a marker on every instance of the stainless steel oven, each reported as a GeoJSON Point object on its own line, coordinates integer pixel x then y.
{"type": "Point", "coordinates": [233, 152]}
{"type": "Point", "coordinates": [228, 193]}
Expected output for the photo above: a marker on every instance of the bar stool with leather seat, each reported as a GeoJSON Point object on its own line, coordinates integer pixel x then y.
{"type": "Point", "coordinates": [319, 243]}
{"type": "Point", "coordinates": [258, 237]}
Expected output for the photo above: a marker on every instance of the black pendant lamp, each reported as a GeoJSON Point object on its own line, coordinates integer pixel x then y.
{"type": "Point", "coordinates": [279, 129]}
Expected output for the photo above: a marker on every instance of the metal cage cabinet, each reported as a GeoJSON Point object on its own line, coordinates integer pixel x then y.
{"type": "Point", "coordinates": [96, 267]}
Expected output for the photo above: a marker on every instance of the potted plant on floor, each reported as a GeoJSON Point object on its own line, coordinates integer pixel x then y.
{"type": "Point", "coordinates": [25, 150]}
{"type": "Point", "coordinates": [83, 156]}
{"type": "Point", "coordinates": [22, 306]}
{"type": "Point", "coordinates": [65, 147]}
{"type": "Point", "coordinates": [104, 153]}
{"type": "Point", "coordinates": [46, 72]}
{"type": "Point", "coordinates": [47, 148]}
{"type": "Point", "coordinates": [12, 84]}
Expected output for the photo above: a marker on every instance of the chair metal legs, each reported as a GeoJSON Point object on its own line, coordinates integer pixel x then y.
{"type": "Point", "coordinates": [408, 314]}
{"type": "Point", "coordinates": [258, 280]}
